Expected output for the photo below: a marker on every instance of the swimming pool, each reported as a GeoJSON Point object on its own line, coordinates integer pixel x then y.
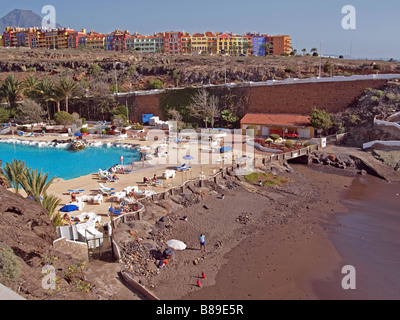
{"type": "Point", "coordinates": [64, 163]}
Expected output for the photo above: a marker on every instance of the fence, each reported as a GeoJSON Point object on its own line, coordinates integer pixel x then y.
{"type": "Point", "coordinates": [291, 155]}
{"type": "Point", "coordinates": [335, 138]}
{"type": "Point", "coordinates": [164, 195]}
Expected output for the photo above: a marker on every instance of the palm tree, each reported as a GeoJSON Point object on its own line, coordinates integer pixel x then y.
{"type": "Point", "coordinates": [35, 183]}
{"type": "Point", "coordinates": [57, 98]}
{"type": "Point", "coordinates": [12, 173]}
{"type": "Point", "coordinates": [50, 203]}
{"type": "Point", "coordinates": [266, 46]}
{"type": "Point", "coordinates": [30, 86]}
{"type": "Point", "coordinates": [314, 51]}
{"type": "Point", "coordinates": [66, 88]}
{"type": "Point", "coordinates": [45, 91]}
{"type": "Point", "coordinates": [11, 90]}
{"type": "Point", "coordinates": [246, 47]}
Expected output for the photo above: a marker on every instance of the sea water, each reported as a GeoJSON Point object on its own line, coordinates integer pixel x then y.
{"type": "Point", "coordinates": [367, 237]}
{"type": "Point", "coordinates": [64, 163]}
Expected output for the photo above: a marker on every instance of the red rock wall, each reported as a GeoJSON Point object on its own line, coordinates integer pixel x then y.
{"type": "Point", "coordinates": [302, 98]}
{"type": "Point", "coordinates": [293, 98]}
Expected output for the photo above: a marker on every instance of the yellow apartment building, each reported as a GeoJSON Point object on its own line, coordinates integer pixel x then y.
{"type": "Point", "coordinates": [95, 41]}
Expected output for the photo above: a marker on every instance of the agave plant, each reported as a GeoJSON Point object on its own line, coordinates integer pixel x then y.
{"type": "Point", "coordinates": [12, 172]}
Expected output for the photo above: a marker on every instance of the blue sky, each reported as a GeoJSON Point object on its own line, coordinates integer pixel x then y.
{"type": "Point", "coordinates": [310, 23]}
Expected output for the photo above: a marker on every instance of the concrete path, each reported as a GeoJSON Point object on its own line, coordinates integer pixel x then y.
{"type": "Point", "coordinates": [381, 170]}
{"type": "Point", "coordinates": [8, 294]}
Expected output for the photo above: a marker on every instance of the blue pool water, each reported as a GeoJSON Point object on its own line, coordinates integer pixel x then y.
{"type": "Point", "coordinates": [64, 163]}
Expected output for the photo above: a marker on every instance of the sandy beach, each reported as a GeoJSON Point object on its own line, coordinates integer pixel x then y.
{"type": "Point", "coordinates": [261, 242]}
{"type": "Point", "coordinates": [281, 250]}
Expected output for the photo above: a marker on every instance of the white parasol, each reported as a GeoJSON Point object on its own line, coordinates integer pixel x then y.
{"type": "Point", "coordinates": [176, 244]}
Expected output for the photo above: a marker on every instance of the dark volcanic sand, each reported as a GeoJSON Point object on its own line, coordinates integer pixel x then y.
{"type": "Point", "coordinates": [278, 254]}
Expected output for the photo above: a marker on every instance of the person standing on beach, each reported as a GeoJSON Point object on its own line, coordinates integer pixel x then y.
{"type": "Point", "coordinates": [202, 239]}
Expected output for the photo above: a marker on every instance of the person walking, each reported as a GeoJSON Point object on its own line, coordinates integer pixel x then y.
{"type": "Point", "coordinates": [202, 239]}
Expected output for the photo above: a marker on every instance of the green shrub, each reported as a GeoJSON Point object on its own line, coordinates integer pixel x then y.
{"type": "Point", "coordinates": [63, 118]}
{"type": "Point", "coordinates": [4, 114]}
{"type": "Point", "coordinates": [288, 144]}
{"type": "Point", "coordinates": [290, 70]}
{"type": "Point", "coordinates": [321, 119]}
{"type": "Point", "coordinates": [84, 130]}
{"type": "Point", "coordinates": [274, 136]}
{"type": "Point", "coordinates": [378, 93]}
{"type": "Point", "coordinates": [95, 69]}
{"type": "Point", "coordinates": [390, 96]}
{"type": "Point", "coordinates": [156, 84]}
{"type": "Point", "coordinates": [9, 267]}
{"type": "Point", "coordinates": [137, 126]}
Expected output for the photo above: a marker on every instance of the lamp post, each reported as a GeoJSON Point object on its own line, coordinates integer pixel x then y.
{"type": "Point", "coordinates": [116, 78]}
{"type": "Point", "coordinates": [320, 57]}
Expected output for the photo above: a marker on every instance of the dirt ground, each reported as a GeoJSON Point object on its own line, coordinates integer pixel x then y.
{"type": "Point", "coordinates": [261, 243]}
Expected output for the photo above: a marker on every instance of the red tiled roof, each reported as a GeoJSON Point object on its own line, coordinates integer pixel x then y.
{"type": "Point", "coordinates": [290, 120]}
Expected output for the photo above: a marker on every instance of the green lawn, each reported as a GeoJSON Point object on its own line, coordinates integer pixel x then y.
{"type": "Point", "coordinates": [267, 179]}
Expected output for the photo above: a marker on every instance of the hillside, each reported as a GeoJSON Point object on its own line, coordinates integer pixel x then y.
{"type": "Point", "coordinates": [26, 237]}
{"type": "Point", "coordinates": [358, 119]}
{"type": "Point", "coordinates": [135, 70]}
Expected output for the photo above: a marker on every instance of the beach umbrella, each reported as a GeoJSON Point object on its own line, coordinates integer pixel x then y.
{"type": "Point", "coordinates": [69, 208]}
{"type": "Point", "coordinates": [78, 134]}
{"type": "Point", "coordinates": [176, 244]}
{"type": "Point", "coordinates": [188, 157]}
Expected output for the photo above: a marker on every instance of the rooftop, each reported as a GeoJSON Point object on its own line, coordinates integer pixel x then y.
{"type": "Point", "coordinates": [290, 120]}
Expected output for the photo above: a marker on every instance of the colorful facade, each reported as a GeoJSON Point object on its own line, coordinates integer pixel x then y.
{"type": "Point", "coordinates": [145, 44]}
{"type": "Point", "coordinates": [173, 42]}
{"type": "Point", "coordinates": [169, 42]}
{"type": "Point", "coordinates": [282, 44]}
{"type": "Point", "coordinates": [95, 40]}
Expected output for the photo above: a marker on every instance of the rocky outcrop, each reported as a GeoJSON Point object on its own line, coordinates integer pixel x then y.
{"type": "Point", "coordinates": [78, 145]}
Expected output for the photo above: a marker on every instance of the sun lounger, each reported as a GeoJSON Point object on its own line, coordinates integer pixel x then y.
{"type": "Point", "coordinates": [183, 168]}
{"type": "Point", "coordinates": [105, 188]}
{"type": "Point", "coordinates": [168, 174]}
{"type": "Point", "coordinates": [76, 191]}
{"type": "Point", "coordinates": [98, 199]}
{"type": "Point", "coordinates": [103, 174]}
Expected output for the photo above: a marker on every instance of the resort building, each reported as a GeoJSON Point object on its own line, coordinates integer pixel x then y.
{"type": "Point", "coordinates": [281, 44]}
{"type": "Point", "coordinates": [109, 42]}
{"type": "Point", "coordinates": [173, 42]}
{"type": "Point", "coordinates": [186, 43]}
{"type": "Point", "coordinates": [224, 44]}
{"type": "Point", "coordinates": [290, 125]}
{"type": "Point", "coordinates": [145, 44]}
{"type": "Point", "coordinates": [119, 39]}
{"type": "Point", "coordinates": [95, 40]}
{"type": "Point", "coordinates": [169, 42]}
{"type": "Point", "coordinates": [201, 43]}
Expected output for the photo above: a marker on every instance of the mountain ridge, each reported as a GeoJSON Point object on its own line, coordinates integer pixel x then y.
{"type": "Point", "coordinates": [21, 18]}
